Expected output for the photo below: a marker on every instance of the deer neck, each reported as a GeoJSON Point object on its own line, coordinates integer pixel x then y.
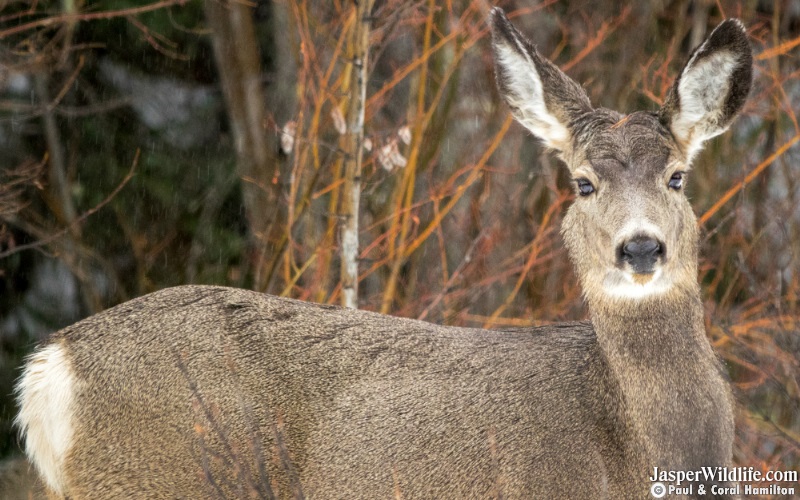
{"type": "Point", "coordinates": [675, 402]}
{"type": "Point", "coordinates": [653, 333]}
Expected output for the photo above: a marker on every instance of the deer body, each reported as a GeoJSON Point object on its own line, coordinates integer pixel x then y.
{"type": "Point", "coordinates": [210, 392]}
{"type": "Point", "coordinates": [366, 403]}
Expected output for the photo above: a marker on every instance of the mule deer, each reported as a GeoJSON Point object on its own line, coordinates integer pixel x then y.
{"type": "Point", "coordinates": [203, 391]}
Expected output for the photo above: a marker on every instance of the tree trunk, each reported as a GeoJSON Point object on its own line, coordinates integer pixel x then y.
{"type": "Point", "coordinates": [352, 149]}
{"type": "Point", "coordinates": [238, 62]}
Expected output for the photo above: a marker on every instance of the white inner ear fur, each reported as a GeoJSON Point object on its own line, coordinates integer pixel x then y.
{"type": "Point", "coordinates": [702, 90]}
{"type": "Point", "coordinates": [526, 97]}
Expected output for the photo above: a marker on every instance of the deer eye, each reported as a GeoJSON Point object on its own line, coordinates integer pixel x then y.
{"type": "Point", "coordinates": [676, 181]}
{"type": "Point", "coordinates": [585, 187]}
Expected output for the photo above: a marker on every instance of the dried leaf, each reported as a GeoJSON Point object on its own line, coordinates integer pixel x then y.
{"type": "Point", "coordinates": [287, 137]}
{"type": "Point", "coordinates": [397, 158]}
{"type": "Point", "coordinates": [404, 134]}
{"type": "Point", "coordinates": [385, 156]}
{"type": "Point", "coordinates": [389, 156]}
{"type": "Point", "coordinates": [338, 120]}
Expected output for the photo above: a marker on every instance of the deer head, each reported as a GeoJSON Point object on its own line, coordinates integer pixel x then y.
{"type": "Point", "coordinates": [631, 231]}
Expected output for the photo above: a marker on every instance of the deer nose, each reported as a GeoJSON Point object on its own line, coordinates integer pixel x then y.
{"type": "Point", "coordinates": [641, 252]}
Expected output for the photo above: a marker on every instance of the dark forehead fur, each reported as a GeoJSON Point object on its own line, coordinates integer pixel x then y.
{"type": "Point", "coordinates": [638, 141]}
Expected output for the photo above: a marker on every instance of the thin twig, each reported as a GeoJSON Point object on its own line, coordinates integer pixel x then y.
{"type": "Point", "coordinates": [80, 219]}
{"type": "Point", "coordinates": [110, 14]}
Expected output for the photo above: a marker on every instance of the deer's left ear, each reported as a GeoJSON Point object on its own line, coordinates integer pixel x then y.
{"type": "Point", "coordinates": [711, 88]}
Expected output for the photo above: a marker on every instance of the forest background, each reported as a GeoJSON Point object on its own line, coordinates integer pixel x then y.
{"type": "Point", "coordinates": [147, 145]}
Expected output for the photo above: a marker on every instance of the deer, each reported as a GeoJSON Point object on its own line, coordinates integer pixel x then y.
{"type": "Point", "coordinates": [215, 392]}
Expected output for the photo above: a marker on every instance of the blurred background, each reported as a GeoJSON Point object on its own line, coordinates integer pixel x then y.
{"type": "Point", "coordinates": [150, 144]}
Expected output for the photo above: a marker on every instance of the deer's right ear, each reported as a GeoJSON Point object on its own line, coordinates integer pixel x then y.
{"type": "Point", "coordinates": [541, 96]}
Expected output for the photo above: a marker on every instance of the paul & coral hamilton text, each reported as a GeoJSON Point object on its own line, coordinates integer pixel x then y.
{"type": "Point", "coordinates": [722, 475]}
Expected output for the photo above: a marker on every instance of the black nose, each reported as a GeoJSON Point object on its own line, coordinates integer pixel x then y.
{"type": "Point", "coordinates": [641, 252]}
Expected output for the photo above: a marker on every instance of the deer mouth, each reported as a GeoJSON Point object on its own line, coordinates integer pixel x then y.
{"type": "Point", "coordinates": [642, 278]}
{"type": "Point", "coordinates": [624, 283]}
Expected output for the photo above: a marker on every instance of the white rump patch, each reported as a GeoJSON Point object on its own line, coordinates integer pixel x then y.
{"type": "Point", "coordinates": [526, 97]}
{"type": "Point", "coordinates": [703, 88]}
{"type": "Point", "coordinates": [45, 393]}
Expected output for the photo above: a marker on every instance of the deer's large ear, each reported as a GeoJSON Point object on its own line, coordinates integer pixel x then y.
{"type": "Point", "coordinates": [541, 96]}
{"type": "Point", "coordinates": [711, 88]}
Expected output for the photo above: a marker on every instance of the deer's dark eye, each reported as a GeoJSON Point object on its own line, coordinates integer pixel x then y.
{"type": "Point", "coordinates": [676, 181]}
{"type": "Point", "coordinates": [585, 187]}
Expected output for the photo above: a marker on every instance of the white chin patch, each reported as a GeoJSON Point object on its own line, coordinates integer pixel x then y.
{"type": "Point", "coordinates": [624, 284]}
